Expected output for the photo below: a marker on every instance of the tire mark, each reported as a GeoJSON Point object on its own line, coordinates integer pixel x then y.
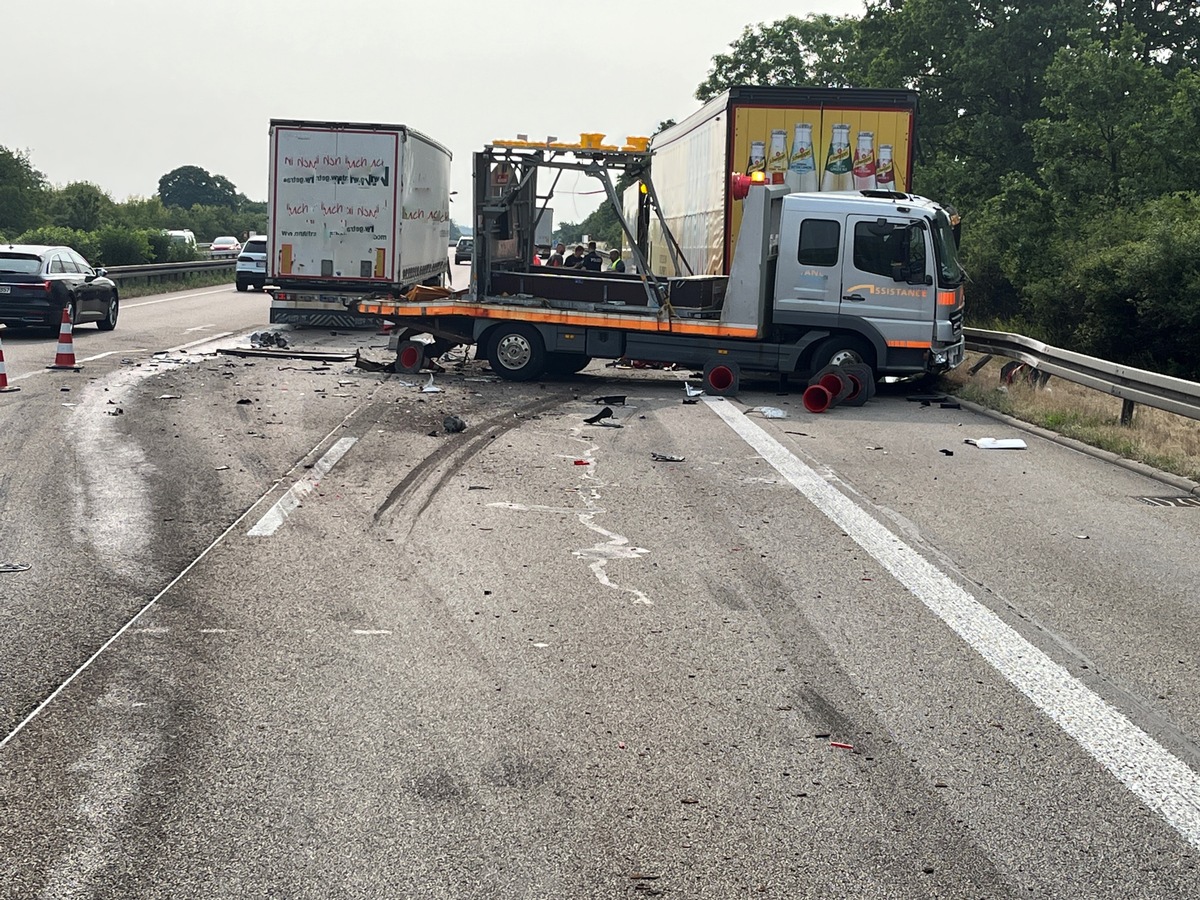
{"type": "Point", "coordinates": [458, 455]}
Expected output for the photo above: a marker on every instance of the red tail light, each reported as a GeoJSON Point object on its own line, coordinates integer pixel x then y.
{"type": "Point", "coordinates": [47, 286]}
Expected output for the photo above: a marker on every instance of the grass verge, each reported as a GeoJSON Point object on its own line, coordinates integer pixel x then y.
{"type": "Point", "coordinates": [129, 290]}
{"type": "Point", "coordinates": [1160, 439]}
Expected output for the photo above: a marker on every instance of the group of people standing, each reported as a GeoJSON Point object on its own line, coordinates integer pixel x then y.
{"type": "Point", "coordinates": [591, 261]}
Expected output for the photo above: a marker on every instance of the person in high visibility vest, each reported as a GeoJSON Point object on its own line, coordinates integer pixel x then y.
{"type": "Point", "coordinates": [616, 264]}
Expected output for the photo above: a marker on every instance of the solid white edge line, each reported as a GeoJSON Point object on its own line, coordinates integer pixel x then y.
{"type": "Point", "coordinates": [1163, 782]}
{"type": "Point", "coordinates": [274, 517]}
{"type": "Point", "coordinates": [170, 297]}
{"type": "Point", "coordinates": [153, 600]}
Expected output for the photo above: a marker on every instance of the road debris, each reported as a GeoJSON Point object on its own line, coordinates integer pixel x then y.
{"type": "Point", "coordinates": [611, 400]}
{"type": "Point", "coordinates": [582, 462]}
{"type": "Point", "coordinates": [841, 745]}
{"type": "Point", "coordinates": [453, 424]}
{"type": "Point", "coordinates": [926, 399]}
{"type": "Point", "coordinates": [14, 567]}
{"type": "Point", "coordinates": [244, 402]}
{"type": "Point", "coordinates": [429, 387]}
{"type": "Point", "coordinates": [115, 412]}
{"type": "Point", "coordinates": [770, 412]}
{"type": "Point", "coordinates": [222, 469]}
{"type": "Point", "coordinates": [988, 443]}
{"type": "Point", "coordinates": [946, 452]}
{"type": "Point", "coordinates": [663, 457]}
{"type": "Point", "coordinates": [169, 397]}
{"type": "Point", "coordinates": [690, 391]}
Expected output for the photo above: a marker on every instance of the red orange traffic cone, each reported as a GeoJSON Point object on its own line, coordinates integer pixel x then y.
{"type": "Point", "coordinates": [64, 357]}
{"type": "Point", "coordinates": [4, 388]}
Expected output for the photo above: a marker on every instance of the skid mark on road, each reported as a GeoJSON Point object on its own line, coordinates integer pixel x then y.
{"type": "Point", "coordinates": [1145, 767]}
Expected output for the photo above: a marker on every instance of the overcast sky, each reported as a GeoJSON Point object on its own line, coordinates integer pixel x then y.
{"type": "Point", "coordinates": [119, 92]}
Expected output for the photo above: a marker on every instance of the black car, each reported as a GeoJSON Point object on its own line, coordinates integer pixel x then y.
{"type": "Point", "coordinates": [37, 283]}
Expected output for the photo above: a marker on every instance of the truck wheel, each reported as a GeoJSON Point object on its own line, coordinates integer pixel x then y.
{"type": "Point", "coordinates": [566, 363]}
{"type": "Point", "coordinates": [841, 350]}
{"type": "Point", "coordinates": [516, 352]}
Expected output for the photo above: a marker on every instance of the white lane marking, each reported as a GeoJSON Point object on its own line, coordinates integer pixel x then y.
{"type": "Point", "coordinates": [112, 353]}
{"type": "Point", "coordinates": [153, 601]}
{"type": "Point", "coordinates": [199, 328]}
{"type": "Point", "coordinates": [1163, 782]}
{"type": "Point", "coordinates": [370, 631]}
{"type": "Point", "coordinates": [170, 297]}
{"type": "Point", "coordinates": [289, 502]}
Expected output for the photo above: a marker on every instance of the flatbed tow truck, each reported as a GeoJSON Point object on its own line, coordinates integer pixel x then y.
{"type": "Point", "coordinates": [817, 279]}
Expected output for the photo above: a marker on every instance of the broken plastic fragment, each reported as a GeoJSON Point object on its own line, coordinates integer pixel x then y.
{"type": "Point", "coordinates": [430, 387]}
{"type": "Point", "coordinates": [771, 412]}
{"type": "Point", "coordinates": [14, 567]}
{"type": "Point", "coordinates": [988, 443]}
{"type": "Point", "coordinates": [603, 414]}
{"type": "Point", "coordinates": [663, 457]}
{"type": "Point", "coordinates": [691, 391]}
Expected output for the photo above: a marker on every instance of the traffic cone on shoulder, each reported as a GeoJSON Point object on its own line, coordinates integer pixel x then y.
{"type": "Point", "coordinates": [4, 388]}
{"type": "Point", "coordinates": [64, 356]}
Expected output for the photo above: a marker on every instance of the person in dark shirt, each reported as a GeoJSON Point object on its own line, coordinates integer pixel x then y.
{"type": "Point", "coordinates": [593, 261]}
{"type": "Point", "coordinates": [575, 260]}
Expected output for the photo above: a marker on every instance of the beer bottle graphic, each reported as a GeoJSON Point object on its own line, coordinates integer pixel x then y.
{"type": "Point", "coordinates": [864, 162]}
{"type": "Point", "coordinates": [802, 164]}
{"type": "Point", "coordinates": [885, 173]}
{"type": "Point", "coordinates": [837, 163]}
{"type": "Point", "coordinates": [758, 158]}
{"type": "Point", "coordinates": [777, 157]}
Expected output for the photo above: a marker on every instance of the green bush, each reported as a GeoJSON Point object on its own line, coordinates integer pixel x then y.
{"type": "Point", "coordinates": [82, 242]}
{"type": "Point", "coordinates": [123, 246]}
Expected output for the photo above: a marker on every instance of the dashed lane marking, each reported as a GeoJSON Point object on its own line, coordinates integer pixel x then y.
{"type": "Point", "coordinates": [290, 502]}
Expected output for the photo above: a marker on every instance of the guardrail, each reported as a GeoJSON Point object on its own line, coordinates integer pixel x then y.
{"type": "Point", "coordinates": [1132, 385]}
{"type": "Point", "coordinates": [168, 271]}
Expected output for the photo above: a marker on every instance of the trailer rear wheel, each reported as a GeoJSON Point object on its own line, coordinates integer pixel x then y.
{"type": "Point", "coordinates": [516, 352]}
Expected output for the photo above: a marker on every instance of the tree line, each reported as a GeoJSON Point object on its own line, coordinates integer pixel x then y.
{"type": "Point", "coordinates": [1066, 133]}
{"type": "Point", "coordinates": [83, 216]}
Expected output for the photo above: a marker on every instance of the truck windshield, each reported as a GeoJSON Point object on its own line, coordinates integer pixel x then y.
{"type": "Point", "coordinates": [950, 270]}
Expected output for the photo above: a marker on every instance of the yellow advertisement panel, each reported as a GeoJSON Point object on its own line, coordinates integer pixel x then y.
{"type": "Point", "coordinates": [821, 149]}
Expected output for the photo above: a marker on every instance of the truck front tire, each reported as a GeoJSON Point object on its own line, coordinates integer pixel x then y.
{"type": "Point", "coordinates": [516, 352]}
{"type": "Point", "coordinates": [841, 350]}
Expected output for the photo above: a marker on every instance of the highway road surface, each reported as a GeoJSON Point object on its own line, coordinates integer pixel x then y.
{"type": "Point", "coordinates": [282, 634]}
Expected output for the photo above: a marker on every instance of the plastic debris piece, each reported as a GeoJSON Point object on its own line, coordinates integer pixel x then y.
{"type": "Point", "coordinates": [946, 452]}
{"type": "Point", "coordinates": [222, 468]}
{"type": "Point", "coordinates": [429, 387]}
{"type": "Point", "coordinates": [453, 424]}
{"type": "Point", "coordinates": [603, 414]}
{"type": "Point", "coordinates": [582, 462]}
{"type": "Point", "coordinates": [691, 391]}
{"type": "Point", "coordinates": [14, 567]}
{"type": "Point", "coordinates": [169, 397]}
{"type": "Point", "coordinates": [771, 412]}
{"type": "Point", "coordinates": [663, 457]}
{"type": "Point", "coordinates": [611, 400]}
{"type": "Point", "coordinates": [244, 402]}
{"type": "Point", "coordinates": [988, 443]}
{"type": "Point", "coordinates": [841, 746]}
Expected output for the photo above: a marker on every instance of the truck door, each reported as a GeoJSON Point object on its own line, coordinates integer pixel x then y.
{"type": "Point", "coordinates": [808, 278]}
{"type": "Point", "coordinates": [887, 284]}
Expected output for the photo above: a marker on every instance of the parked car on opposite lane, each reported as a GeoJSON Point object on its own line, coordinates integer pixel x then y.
{"type": "Point", "coordinates": [251, 268]}
{"type": "Point", "coordinates": [464, 250]}
{"type": "Point", "coordinates": [38, 282]}
{"type": "Point", "coordinates": [225, 247]}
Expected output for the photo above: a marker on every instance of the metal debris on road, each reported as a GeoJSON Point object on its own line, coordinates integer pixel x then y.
{"type": "Point", "coordinates": [663, 457]}
{"type": "Point", "coordinates": [14, 567]}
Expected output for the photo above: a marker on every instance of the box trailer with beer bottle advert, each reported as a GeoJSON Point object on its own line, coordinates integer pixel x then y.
{"type": "Point", "coordinates": [867, 277]}
{"type": "Point", "coordinates": [811, 139]}
{"type": "Point", "coordinates": [353, 208]}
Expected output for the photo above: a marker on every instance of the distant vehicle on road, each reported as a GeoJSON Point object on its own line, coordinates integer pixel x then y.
{"type": "Point", "coordinates": [251, 268]}
{"type": "Point", "coordinates": [38, 282]}
{"type": "Point", "coordinates": [224, 248]}
{"type": "Point", "coordinates": [465, 249]}
{"type": "Point", "coordinates": [182, 236]}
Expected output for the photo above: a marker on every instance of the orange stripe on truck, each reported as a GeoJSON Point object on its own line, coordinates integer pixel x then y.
{"type": "Point", "coordinates": [909, 345]}
{"type": "Point", "coordinates": [556, 317]}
